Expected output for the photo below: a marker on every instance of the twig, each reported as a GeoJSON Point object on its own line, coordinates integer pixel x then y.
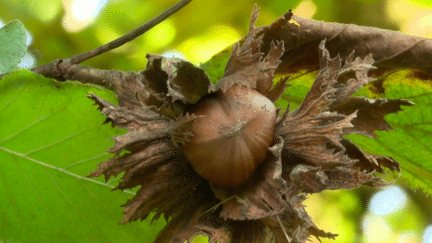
{"type": "Point", "coordinates": [130, 36]}
{"type": "Point", "coordinates": [62, 69]}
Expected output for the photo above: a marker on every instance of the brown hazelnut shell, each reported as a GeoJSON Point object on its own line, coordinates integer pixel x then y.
{"type": "Point", "coordinates": [233, 136]}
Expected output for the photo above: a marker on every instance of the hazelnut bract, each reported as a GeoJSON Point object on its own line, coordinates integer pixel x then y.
{"type": "Point", "coordinates": [232, 137]}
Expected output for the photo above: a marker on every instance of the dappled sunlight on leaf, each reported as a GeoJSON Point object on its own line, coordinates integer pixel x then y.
{"type": "Point", "coordinates": [200, 49]}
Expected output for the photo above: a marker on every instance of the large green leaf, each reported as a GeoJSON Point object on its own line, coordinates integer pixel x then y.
{"type": "Point", "coordinates": [410, 143]}
{"type": "Point", "coordinates": [50, 138]}
{"type": "Point", "coordinates": [12, 46]}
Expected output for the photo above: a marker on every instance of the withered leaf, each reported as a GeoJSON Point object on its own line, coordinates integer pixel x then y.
{"type": "Point", "coordinates": [276, 92]}
{"type": "Point", "coordinates": [369, 162]}
{"type": "Point", "coordinates": [390, 49]}
{"type": "Point", "coordinates": [370, 113]}
{"type": "Point", "coordinates": [176, 78]}
{"type": "Point", "coordinates": [189, 223]}
{"type": "Point", "coordinates": [247, 65]}
{"type": "Point", "coordinates": [315, 179]}
{"type": "Point", "coordinates": [263, 196]}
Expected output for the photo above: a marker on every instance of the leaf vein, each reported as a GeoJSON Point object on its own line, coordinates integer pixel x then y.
{"type": "Point", "coordinates": [13, 203]}
{"type": "Point", "coordinates": [60, 169]}
{"type": "Point", "coordinates": [35, 122]}
{"type": "Point", "coordinates": [85, 160]}
{"type": "Point", "coordinates": [405, 167]}
{"type": "Point", "coordinates": [61, 140]}
{"type": "Point", "coordinates": [36, 193]}
{"type": "Point", "coordinates": [68, 200]}
{"type": "Point", "coordinates": [10, 101]}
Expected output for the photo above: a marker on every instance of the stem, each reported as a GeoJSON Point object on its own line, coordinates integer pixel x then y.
{"type": "Point", "coordinates": [63, 69]}
{"type": "Point", "coordinates": [130, 36]}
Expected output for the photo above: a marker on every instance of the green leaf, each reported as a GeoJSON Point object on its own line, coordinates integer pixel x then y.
{"type": "Point", "coordinates": [12, 46]}
{"type": "Point", "coordinates": [51, 137]}
{"type": "Point", "coordinates": [215, 67]}
{"type": "Point", "coordinates": [301, 83]}
{"type": "Point", "coordinates": [410, 143]}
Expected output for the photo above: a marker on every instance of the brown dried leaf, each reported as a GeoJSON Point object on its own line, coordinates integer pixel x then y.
{"type": "Point", "coordinates": [143, 124]}
{"type": "Point", "coordinates": [249, 231]}
{"type": "Point", "coordinates": [249, 53]}
{"type": "Point", "coordinates": [268, 205]}
{"type": "Point", "coordinates": [161, 105]}
{"type": "Point", "coordinates": [132, 118]}
{"type": "Point", "coordinates": [189, 223]}
{"type": "Point", "coordinates": [246, 65]}
{"type": "Point", "coordinates": [126, 85]}
{"type": "Point", "coordinates": [168, 186]}
{"type": "Point", "coordinates": [368, 162]}
{"type": "Point", "coordinates": [176, 78]}
{"type": "Point", "coordinates": [370, 113]}
{"type": "Point", "coordinates": [350, 78]}
{"type": "Point", "coordinates": [151, 155]}
{"type": "Point", "coordinates": [180, 134]}
{"type": "Point", "coordinates": [390, 49]}
{"type": "Point", "coordinates": [156, 77]}
{"type": "Point", "coordinates": [316, 143]}
{"type": "Point", "coordinates": [315, 179]}
{"type": "Point", "coordinates": [276, 92]}
{"type": "Point", "coordinates": [315, 129]}
{"type": "Point", "coordinates": [322, 92]}
{"type": "Point", "coordinates": [260, 197]}
{"type": "Point", "coordinates": [294, 227]}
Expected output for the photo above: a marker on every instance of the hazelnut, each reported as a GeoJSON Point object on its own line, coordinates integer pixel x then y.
{"type": "Point", "coordinates": [233, 136]}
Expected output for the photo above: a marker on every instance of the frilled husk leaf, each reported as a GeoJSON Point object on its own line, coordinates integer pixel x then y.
{"type": "Point", "coordinates": [309, 153]}
{"type": "Point", "coordinates": [271, 200]}
{"type": "Point", "coordinates": [248, 67]}
{"type": "Point", "coordinates": [370, 113]}
{"type": "Point", "coordinates": [313, 133]}
{"type": "Point", "coordinates": [176, 78]}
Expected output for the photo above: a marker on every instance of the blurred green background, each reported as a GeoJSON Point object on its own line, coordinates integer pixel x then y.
{"type": "Point", "coordinates": [59, 29]}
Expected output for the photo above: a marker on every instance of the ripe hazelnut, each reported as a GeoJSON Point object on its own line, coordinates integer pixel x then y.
{"type": "Point", "coordinates": [233, 136]}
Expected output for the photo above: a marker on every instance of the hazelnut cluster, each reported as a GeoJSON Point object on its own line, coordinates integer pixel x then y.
{"type": "Point", "coordinates": [221, 160]}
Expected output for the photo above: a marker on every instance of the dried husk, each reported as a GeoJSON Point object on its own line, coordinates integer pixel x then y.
{"type": "Point", "coordinates": [309, 153]}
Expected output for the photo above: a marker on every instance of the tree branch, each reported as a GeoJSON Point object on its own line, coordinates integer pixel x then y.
{"type": "Point", "coordinates": [130, 36]}
{"type": "Point", "coordinates": [62, 69]}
